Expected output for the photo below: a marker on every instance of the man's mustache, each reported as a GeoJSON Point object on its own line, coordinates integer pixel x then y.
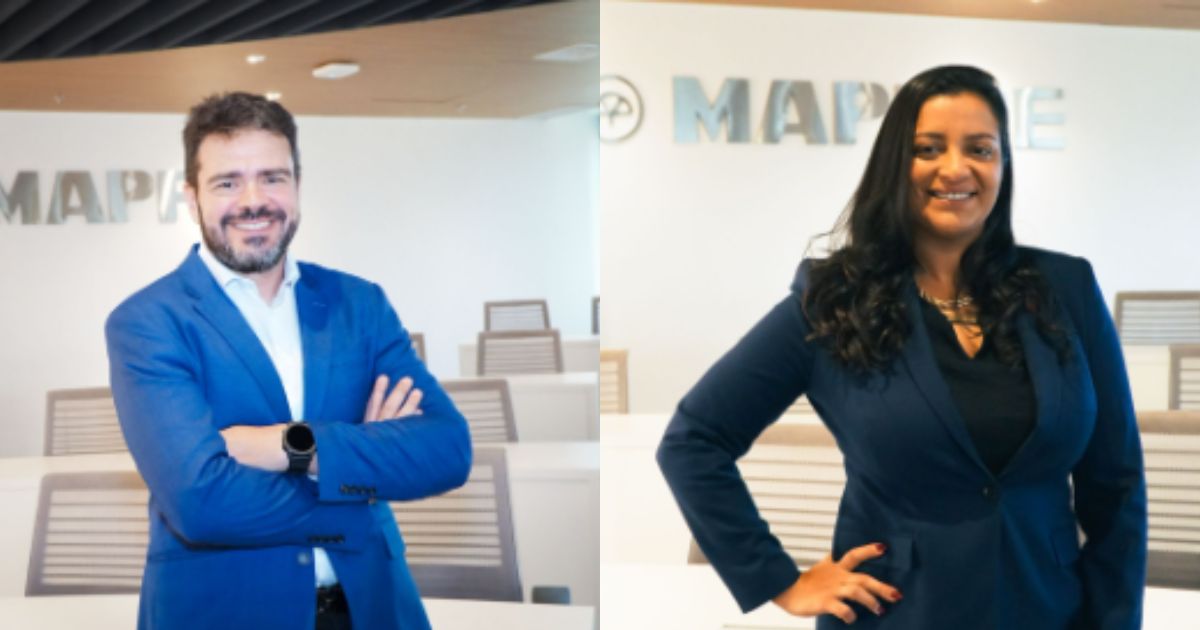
{"type": "Point", "coordinates": [253, 215]}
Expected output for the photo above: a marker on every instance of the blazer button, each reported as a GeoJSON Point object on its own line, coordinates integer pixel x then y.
{"type": "Point", "coordinates": [991, 493]}
{"type": "Point", "coordinates": [303, 558]}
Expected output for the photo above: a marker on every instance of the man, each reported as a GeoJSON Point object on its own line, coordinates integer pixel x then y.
{"type": "Point", "coordinates": [254, 394]}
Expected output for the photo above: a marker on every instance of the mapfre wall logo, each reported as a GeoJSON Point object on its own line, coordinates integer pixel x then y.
{"type": "Point", "coordinates": [621, 110]}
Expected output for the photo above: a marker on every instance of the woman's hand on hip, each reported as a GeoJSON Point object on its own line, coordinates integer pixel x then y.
{"type": "Point", "coordinates": [828, 586]}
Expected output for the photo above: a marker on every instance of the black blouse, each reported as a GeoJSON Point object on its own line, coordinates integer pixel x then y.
{"type": "Point", "coordinates": [996, 402]}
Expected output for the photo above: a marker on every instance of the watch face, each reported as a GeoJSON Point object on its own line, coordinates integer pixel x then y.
{"type": "Point", "coordinates": [300, 438]}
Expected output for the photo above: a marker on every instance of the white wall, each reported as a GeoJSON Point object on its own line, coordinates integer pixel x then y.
{"type": "Point", "coordinates": [444, 214]}
{"type": "Point", "coordinates": [699, 240]}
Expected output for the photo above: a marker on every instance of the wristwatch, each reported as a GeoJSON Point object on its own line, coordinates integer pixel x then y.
{"type": "Point", "coordinates": [300, 446]}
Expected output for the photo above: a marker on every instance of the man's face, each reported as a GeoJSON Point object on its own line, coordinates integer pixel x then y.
{"type": "Point", "coordinates": [246, 198]}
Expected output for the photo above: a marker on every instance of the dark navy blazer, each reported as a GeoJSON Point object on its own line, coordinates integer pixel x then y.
{"type": "Point", "coordinates": [968, 549]}
{"type": "Point", "coordinates": [231, 546]}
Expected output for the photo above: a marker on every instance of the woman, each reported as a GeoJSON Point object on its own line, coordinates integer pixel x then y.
{"type": "Point", "coordinates": [976, 390]}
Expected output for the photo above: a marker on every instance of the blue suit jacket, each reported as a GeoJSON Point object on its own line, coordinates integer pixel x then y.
{"type": "Point", "coordinates": [968, 549]}
{"type": "Point", "coordinates": [231, 546]}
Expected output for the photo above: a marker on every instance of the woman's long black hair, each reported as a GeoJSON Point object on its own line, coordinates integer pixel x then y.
{"type": "Point", "coordinates": [854, 299]}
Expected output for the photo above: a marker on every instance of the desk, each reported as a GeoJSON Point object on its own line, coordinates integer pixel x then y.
{"type": "Point", "coordinates": [555, 495]}
{"type": "Point", "coordinates": [657, 597]}
{"type": "Point", "coordinates": [580, 354]}
{"type": "Point", "coordinates": [555, 407]}
{"type": "Point", "coordinates": [119, 612]}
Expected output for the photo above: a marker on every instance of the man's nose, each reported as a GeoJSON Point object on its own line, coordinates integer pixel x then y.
{"type": "Point", "coordinates": [252, 196]}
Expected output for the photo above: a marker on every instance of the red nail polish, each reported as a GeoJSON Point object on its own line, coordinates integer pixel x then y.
{"type": "Point", "coordinates": [897, 596]}
{"type": "Point", "coordinates": [880, 547]}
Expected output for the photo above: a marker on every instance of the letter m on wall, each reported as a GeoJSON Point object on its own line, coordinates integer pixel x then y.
{"type": "Point", "coordinates": [23, 196]}
{"type": "Point", "coordinates": [731, 108]}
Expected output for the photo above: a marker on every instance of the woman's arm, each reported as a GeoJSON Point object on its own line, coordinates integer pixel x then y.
{"type": "Point", "coordinates": [1109, 480]}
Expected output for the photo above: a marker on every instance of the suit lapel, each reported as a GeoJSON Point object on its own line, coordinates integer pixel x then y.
{"type": "Point", "coordinates": [316, 337]}
{"type": "Point", "coordinates": [1045, 374]}
{"type": "Point", "coordinates": [923, 368]}
{"type": "Point", "coordinates": [213, 306]}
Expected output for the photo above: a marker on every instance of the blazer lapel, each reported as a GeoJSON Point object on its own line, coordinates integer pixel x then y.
{"type": "Point", "coordinates": [212, 305]}
{"type": "Point", "coordinates": [922, 367]}
{"type": "Point", "coordinates": [316, 337]}
{"type": "Point", "coordinates": [1046, 376]}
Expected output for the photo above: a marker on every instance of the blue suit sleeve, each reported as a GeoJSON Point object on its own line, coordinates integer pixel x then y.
{"type": "Point", "coordinates": [404, 459]}
{"type": "Point", "coordinates": [206, 496]}
{"type": "Point", "coordinates": [1110, 485]}
{"type": "Point", "coordinates": [714, 425]}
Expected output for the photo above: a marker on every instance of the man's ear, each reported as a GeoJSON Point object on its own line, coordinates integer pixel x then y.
{"type": "Point", "coordinates": [189, 192]}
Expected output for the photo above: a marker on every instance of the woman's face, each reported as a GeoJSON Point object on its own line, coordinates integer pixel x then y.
{"type": "Point", "coordinates": [956, 168]}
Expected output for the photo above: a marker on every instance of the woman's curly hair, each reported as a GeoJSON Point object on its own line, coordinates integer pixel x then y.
{"type": "Point", "coordinates": [854, 298]}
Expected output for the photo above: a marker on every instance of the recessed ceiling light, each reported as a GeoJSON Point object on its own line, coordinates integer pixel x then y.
{"type": "Point", "coordinates": [273, 96]}
{"type": "Point", "coordinates": [255, 59]}
{"type": "Point", "coordinates": [335, 70]}
{"type": "Point", "coordinates": [573, 53]}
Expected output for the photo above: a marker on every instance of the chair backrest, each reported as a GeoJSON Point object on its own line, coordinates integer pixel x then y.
{"type": "Point", "coordinates": [795, 475]}
{"type": "Point", "coordinates": [614, 381]}
{"type": "Point", "coordinates": [461, 544]}
{"type": "Point", "coordinates": [596, 315]}
{"type": "Point", "coordinates": [1171, 449]}
{"type": "Point", "coordinates": [418, 342]}
{"type": "Point", "coordinates": [1184, 389]}
{"type": "Point", "coordinates": [90, 535]}
{"type": "Point", "coordinates": [519, 352]}
{"type": "Point", "coordinates": [1158, 317]}
{"type": "Point", "coordinates": [516, 315]}
{"type": "Point", "coordinates": [487, 405]}
{"type": "Point", "coordinates": [82, 421]}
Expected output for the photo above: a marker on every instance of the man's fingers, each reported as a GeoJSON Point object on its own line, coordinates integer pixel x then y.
{"type": "Point", "coordinates": [391, 405]}
{"type": "Point", "coordinates": [411, 405]}
{"type": "Point", "coordinates": [858, 555]}
{"type": "Point", "coordinates": [375, 402]}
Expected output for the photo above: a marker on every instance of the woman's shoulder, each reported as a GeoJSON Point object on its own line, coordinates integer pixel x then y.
{"type": "Point", "coordinates": [1058, 267]}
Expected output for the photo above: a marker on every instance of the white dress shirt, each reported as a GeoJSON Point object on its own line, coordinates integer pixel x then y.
{"type": "Point", "coordinates": [277, 326]}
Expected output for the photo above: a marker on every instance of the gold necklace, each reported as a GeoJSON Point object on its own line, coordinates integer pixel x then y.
{"type": "Point", "coordinates": [954, 308]}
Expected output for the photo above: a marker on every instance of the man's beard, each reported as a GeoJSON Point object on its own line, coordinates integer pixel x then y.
{"type": "Point", "coordinates": [250, 262]}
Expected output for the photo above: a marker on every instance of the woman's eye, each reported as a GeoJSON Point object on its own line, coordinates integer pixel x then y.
{"type": "Point", "coordinates": [985, 151]}
{"type": "Point", "coordinates": [925, 150]}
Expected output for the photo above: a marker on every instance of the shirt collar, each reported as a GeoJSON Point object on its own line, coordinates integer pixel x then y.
{"type": "Point", "coordinates": [227, 277]}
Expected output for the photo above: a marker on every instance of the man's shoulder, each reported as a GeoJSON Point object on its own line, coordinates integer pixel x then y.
{"type": "Point", "coordinates": [322, 276]}
{"type": "Point", "coordinates": [162, 294]}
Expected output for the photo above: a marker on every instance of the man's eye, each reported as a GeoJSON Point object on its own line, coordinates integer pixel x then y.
{"type": "Point", "coordinates": [223, 185]}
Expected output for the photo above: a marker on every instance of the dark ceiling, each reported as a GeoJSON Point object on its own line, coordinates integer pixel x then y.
{"type": "Point", "coordinates": [52, 29]}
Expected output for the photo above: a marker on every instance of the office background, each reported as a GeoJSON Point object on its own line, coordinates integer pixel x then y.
{"type": "Point", "coordinates": [699, 240]}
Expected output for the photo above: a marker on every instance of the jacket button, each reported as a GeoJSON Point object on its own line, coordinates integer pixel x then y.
{"type": "Point", "coordinates": [303, 558]}
{"type": "Point", "coordinates": [991, 493]}
{"type": "Point", "coordinates": [344, 488]}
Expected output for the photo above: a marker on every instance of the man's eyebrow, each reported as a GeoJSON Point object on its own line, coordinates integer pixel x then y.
{"type": "Point", "coordinates": [276, 171]}
{"type": "Point", "coordinates": [225, 175]}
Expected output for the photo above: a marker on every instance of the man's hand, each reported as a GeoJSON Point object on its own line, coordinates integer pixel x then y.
{"type": "Point", "coordinates": [403, 401]}
{"type": "Point", "coordinates": [258, 446]}
{"type": "Point", "coordinates": [262, 446]}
